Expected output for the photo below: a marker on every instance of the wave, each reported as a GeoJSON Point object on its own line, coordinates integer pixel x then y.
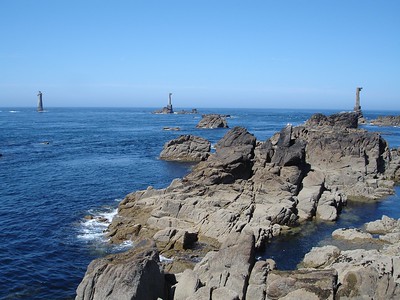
{"type": "Point", "coordinates": [92, 227]}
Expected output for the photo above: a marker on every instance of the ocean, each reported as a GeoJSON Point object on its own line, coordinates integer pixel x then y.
{"type": "Point", "coordinates": [61, 165]}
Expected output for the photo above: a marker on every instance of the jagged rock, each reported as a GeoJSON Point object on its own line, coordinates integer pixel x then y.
{"type": "Point", "coordinates": [249, 189]}
{"type": "Point", "coordinates": [341, 120]}
{"type": "Point", "coordinates": [232, 159]}
{"type": "Point", "coordinates": [386, 121]}
{"type": "Point", "coordinates": [212, 121]}
{"type": "Point", "coordinates": [348, 158]}
{"type": "Point", "coordinates": [135, 274]}
{"type": "Point", "coordinates": [186, 148]}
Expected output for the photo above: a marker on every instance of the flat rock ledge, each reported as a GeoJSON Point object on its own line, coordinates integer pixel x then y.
{"type": "Point", "coordinates": [214, 219]}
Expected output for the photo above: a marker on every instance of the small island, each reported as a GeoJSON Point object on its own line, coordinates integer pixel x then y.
{"type": "Point", "coordinates": [169, 109]}
{"type": "Point", "coordinates": [386, 121]}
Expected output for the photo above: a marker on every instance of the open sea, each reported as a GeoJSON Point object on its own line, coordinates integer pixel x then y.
{"type": "Point", "coordinates": [61, 165]}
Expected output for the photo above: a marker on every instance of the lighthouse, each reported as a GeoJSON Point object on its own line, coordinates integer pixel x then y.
{"type": "Point", "coordinates": [40, 102]}
{"type": "Point", "coordinates": [169, 106]}
{"type": "Point", "coordinates": [357, 107]}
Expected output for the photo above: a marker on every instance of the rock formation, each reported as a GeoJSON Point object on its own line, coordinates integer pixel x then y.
{"type": "Point", "coordinates": [212, 121]}
{"type": "Point", "coordinates": [386, 121]}
{"type": "Point", "coordinates": [249, 191]}
{"type": "Point", "coordinates": [135, 274]}
{"type": "Point", "coordinates": [186, 148]}
{"type": "Point", "coordinates": [363, 273]}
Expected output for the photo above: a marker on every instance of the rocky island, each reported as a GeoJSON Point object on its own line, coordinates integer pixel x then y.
{"type": "Point", "coordinates": [212, 221]}
{"type": "Point", "coordinates": [386, 121]}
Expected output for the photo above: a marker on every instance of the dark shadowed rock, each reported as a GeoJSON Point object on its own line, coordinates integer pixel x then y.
{"type": "Point", "coordinates": [232, 160]}
{"type": "Point", "coordinates": [135, 274]}
{"type": "Point", "coordinates": [186, 148]}
{"type": "Point", "coordinates": [212, 121]}
{"type": "Point", "coordinates": [341, 120]}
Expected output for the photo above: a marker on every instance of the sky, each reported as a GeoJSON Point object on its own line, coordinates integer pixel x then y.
{"type": "Point", "coordinates": [239, 54]}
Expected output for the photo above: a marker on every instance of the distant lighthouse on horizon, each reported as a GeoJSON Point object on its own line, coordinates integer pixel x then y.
{"type": "Point", "coordinates": [40, 102]}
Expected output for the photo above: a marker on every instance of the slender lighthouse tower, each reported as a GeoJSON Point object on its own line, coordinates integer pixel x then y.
{"type": "Point", "coordinates": [40, 102]}
{"type": "Point", "coordinates": [169, 106]}
{"type": "Point", "coordinates": [357, 107]}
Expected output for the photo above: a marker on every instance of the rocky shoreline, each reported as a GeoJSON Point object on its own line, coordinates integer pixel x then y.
{"type": "Point", "coordinates": [235, 200]}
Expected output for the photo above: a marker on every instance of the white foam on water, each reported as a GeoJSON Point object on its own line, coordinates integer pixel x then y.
{"type": "Point", "coordinates": [125, 245]}
{"type": "Point", "coordinates": [13, 111]}
{"type": "Point", "coordinates": [93, 229]}
{"type": "Point", "coordinates": [165, 259]}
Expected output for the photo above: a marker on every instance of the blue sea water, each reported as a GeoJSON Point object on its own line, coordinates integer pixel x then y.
{"type": "Point", "coordinates": [66, 163]}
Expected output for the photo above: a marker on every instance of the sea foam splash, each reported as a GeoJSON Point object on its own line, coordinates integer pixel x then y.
{"type": "Point", "coordinates": [92, 230]}
{"type": "Point", "coordinates": [93, 226]}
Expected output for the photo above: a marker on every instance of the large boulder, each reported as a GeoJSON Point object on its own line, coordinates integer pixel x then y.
{"type": "Point", "coordinates": [135, 274]}
{"type": "Point", "coordinates": [232, 159]}
{"type": "Point", "coordinates": [230, 267]}
{"type": "Point", "coordinates": [186, 148]}
{"type": "Point", "coordinates": [212, 121]}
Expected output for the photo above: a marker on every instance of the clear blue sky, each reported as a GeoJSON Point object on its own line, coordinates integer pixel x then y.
{"type": "Point", "coordinates": [261, 54]}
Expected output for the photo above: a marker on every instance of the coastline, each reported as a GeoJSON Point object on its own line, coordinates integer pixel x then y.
{"type": "Point", "coordinates": [170, 238]}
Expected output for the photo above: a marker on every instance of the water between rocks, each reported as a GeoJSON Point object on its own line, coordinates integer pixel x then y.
{"type": "Point", "coordinates": [58, 166]}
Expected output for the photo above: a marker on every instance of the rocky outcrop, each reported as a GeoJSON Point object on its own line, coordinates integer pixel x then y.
{"type": "Point", "coordinates": [225, 273]}
{"type": "Point", "coordinates": [248, 192]}
{"type": "Point", "coordinates": [212, 121]}
{"type": "Point", "coordinates": [300, 173]}
{"type": "Point", "coordinates": [232, 160]}
{"type": "Point", "coordinates": [386, 121]}
{"type": "Point", "coordinates": [135, 274]}
{"type": "Point", "coordinates": [340, 120]}
{"type": "Point", "coordinates": [363, 273]}
{"type": "Point", "coordinates": [187, 148]}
